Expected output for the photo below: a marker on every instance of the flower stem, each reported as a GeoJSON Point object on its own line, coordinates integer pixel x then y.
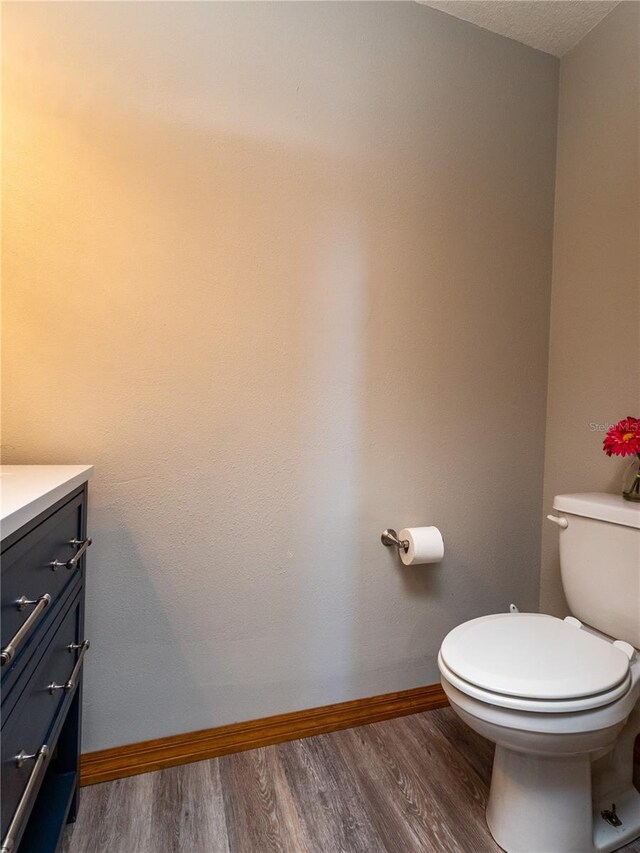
{"type": "Point", "coordinates": [633, 492]}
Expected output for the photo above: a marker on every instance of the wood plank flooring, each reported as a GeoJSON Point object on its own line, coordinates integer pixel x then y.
{"type": "Point", "coordinates": [416, 783]}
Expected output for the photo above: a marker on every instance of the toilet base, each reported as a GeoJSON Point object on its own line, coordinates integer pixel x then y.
{"type": "Point", "coordinates": [542, 804]}
{"type": "Point", "coordinates": [539, 805]}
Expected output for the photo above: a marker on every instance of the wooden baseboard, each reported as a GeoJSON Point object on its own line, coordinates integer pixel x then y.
{"type": "Point", "coordinates": [129, 760]}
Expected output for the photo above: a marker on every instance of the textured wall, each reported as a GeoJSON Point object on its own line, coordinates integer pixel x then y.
{"type": "Point", "coordinates": [281, 272]}
{"type": "Point", "coordinates": [594, 356]}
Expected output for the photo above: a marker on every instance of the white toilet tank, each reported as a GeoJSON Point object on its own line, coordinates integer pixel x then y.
{"type": "Point", "coordinates": [600, 562]}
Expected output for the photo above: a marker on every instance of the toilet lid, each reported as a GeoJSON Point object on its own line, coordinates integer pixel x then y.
{"type": "Point", "coordinates": [533, 656]}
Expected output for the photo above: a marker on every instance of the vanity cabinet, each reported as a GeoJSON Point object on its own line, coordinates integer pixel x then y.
{"type": "Point", "coordinates": [43, 648]}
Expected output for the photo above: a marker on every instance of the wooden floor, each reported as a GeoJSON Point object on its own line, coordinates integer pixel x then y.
{"type": "Point", "coordinates": [416, 783]}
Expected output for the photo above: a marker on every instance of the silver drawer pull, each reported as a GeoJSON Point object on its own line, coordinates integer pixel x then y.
{"type": "Point", "coordinates": [82, 544]}
{"type": "Point", "coordinates": [71, 683]}
{"type": "Point", "coordinates": [40, 757]}
{"type": "Point", "coordinates": [10, 649]}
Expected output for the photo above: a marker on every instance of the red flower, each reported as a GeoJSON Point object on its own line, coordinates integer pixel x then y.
{"type": "Point", "coordinates": [623, 439]}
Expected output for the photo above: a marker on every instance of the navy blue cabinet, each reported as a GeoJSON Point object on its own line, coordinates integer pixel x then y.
{"type": "Point", "coordinates": [43, 647]}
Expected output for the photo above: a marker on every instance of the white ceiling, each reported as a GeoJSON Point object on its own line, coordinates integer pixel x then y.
{"type": "Point", "coordinates": [554, 26]}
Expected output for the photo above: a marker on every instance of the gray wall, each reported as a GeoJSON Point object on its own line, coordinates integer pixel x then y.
{"type": "Point", "coordinates": [281, 272]}
{"type": "Point", "coordinates": [594, 360]}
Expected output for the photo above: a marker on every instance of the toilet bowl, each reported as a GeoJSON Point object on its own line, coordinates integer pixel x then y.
{"type": "Point", "coordinates": [555, 699]}
{"type": "Point", "coordinates": [560, 698]}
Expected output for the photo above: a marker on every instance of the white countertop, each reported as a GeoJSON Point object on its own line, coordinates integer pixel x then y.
{"type": "Point", "coordinates": [28, 490]}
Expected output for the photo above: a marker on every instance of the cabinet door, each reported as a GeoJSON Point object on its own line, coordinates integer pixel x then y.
{"type": "Point", "coordinates": [38, 711]}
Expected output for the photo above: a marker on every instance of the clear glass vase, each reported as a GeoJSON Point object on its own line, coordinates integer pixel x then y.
{"type": "Point", "coordinates": [631, 480]}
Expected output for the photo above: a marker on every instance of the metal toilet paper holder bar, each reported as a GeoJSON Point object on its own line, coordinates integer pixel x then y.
{"type": "Point", "coordinates": [390, 537]}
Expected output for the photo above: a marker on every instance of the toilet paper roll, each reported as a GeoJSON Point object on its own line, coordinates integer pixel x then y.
{"type": "Point", "coordinates": [425, 545]}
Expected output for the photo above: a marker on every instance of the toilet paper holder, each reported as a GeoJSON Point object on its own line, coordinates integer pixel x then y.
{"type": "Point", "coordinates": [390, 537]}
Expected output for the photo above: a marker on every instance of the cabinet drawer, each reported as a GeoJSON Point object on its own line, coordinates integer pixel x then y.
{"type": "Point", "coordinates": [35, 566]}
{"type": "Point", "coordinates": [34, 718]}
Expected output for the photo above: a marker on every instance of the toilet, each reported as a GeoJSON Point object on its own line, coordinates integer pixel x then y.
{"type": "Point", "coordinates": [560, 698]}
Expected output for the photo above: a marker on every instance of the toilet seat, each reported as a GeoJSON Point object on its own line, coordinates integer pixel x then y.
{"type": "Point", "coordinates": [533, 662]}
{"type": "Point", "coordinates": [536, 706]}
